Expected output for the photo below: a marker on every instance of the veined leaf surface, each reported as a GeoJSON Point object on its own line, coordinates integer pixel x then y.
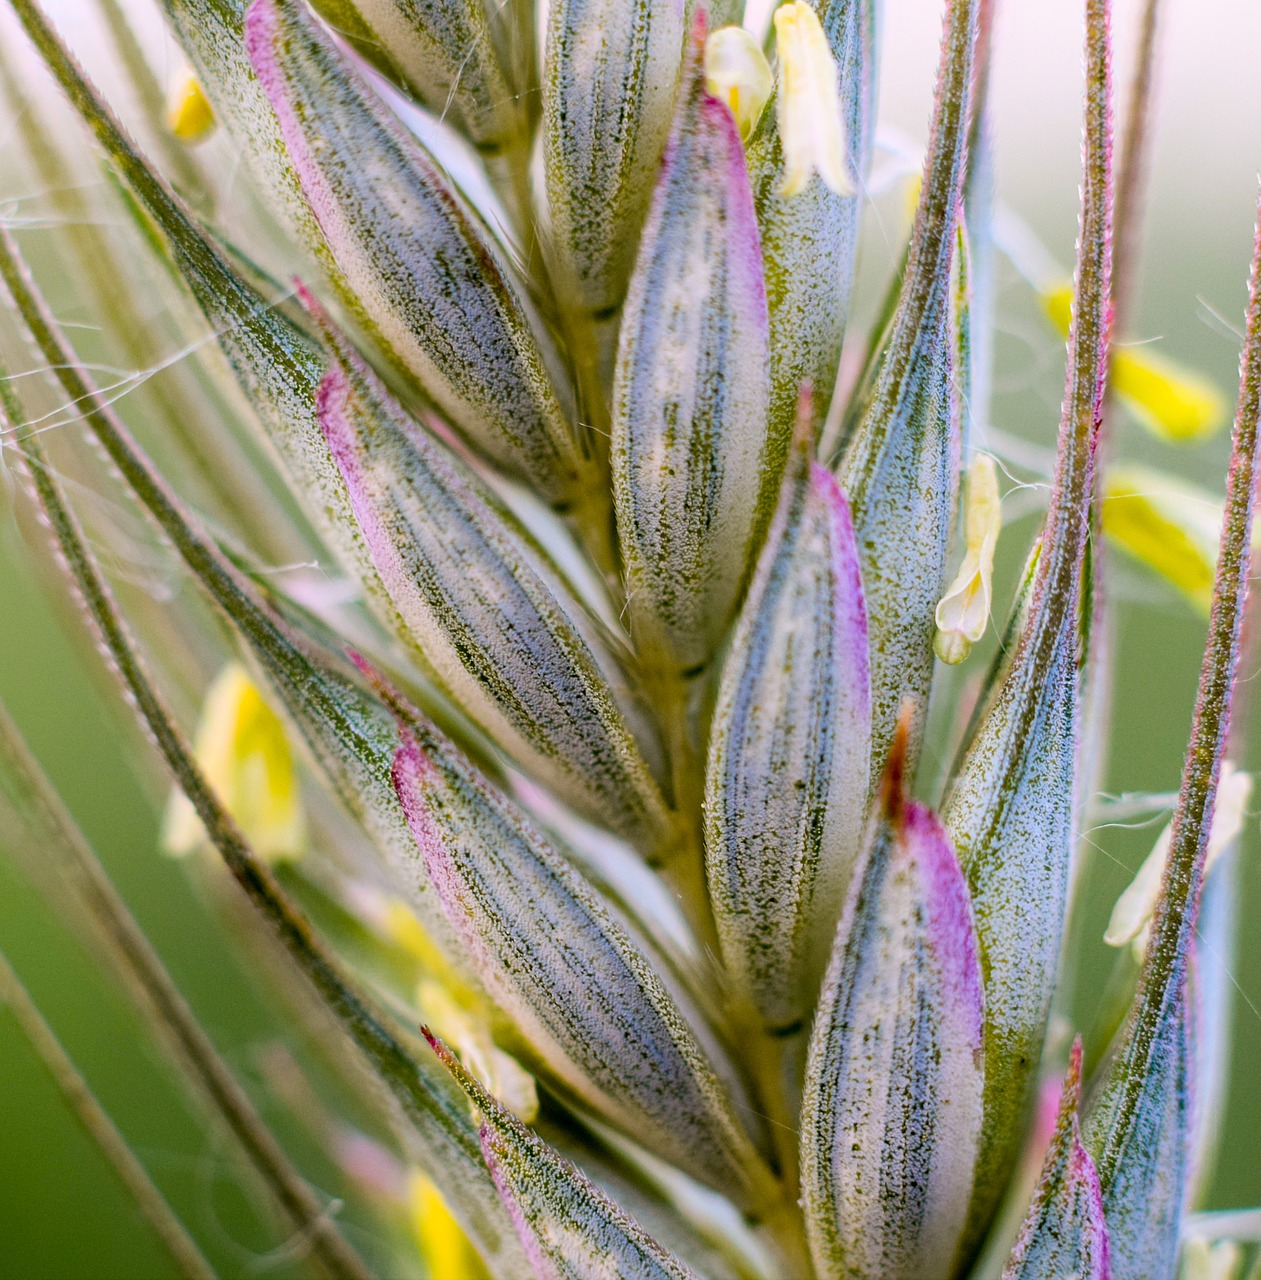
{"type": "Point", "coordinates": [410, 258]}
{"type": "Point", "coordinates": [276, 363]}
{"type": "Point", "coordinates": [209, 32]}
{"type": "Point", "coordinates": [570, 1229]}
{"type": "Point", "coordinates": [610, 72]}
{"type": "Point", "coordinates": [1139, 1127]}
{"type": "Point", "coordinates": [809, 240]}
{"type": "Point", "coordinates": [1010, 805]}
{"type": "Point", "coordinates": [790, 744]}
{"type": "Point", "coordinates": [1145, 1196]}
{"type": "Point", "coordinates": [578, 989]}
{"type": "Point", "coordinates": [1064, 1235]}
{"type": "Point", "coordinates": [340, 723]}
{"type": "Point", "coordinates": [899, 467]}
{"type": "Point", "coordinates": [891, 1119]}
{"type": "Point", "coordinates": [444, 53]}
{"type": "Point", "coordinates": [477, 598]}
{"type": "Point", "coordinates": [690, 393]}
{"type": "Point", "coordinates": [1212, 992]}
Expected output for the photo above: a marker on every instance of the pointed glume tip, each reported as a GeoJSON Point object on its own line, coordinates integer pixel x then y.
{"type": "Point", "coordinates": [893, 784]}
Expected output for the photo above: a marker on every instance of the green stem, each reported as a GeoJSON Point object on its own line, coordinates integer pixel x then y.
{"type": "Point", "coordinates": [181, 408]}
{"type": "Point", "coordinates": [590, 338]}
{"type": "Point", "coordinates": [1057, 594]}
{"type": "Point", "coordinates": [591, 517]}
{"type": "Point", "coordinates": [509, 172]}
{"type": "Point", "coordinates": [773, 1062]}
{"type": "Point", "coordinates": [592, 524]}
{"type": "Point", "coordinates": [1163, 977]}
{"type": "Point", "coordinates": [147, 981]}
{"type": "Point", "coordinates": [390, 1060]}
{"type": "Point", "coordinates": [1056, 590]}
{"type": "Point", "coordinates": [936, 216]}
{"type": "Point", "coordinates": [100, 1128]}
{"type": "Point", "coordinates": [1132, 169]}
{"type": "Point", "coordinates": [1098, 640]}
{"type": "Point", "coordinates": [786, 1227]}
{"type": "Point", "coordinates": [683, 860]}
{"type": "Point", "coordinates": [189, 179]}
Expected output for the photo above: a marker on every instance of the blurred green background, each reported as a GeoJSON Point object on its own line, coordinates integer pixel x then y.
{"type": "Point", "coordinates": [63, 1215]}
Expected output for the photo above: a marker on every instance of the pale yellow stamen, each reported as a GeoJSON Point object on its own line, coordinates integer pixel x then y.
{"type": "Point", "coordinates": [400, 925]}
{"type": "Point", "coordinates": [910, 195]}
{"type": "Point", "coordinates": [1170, 526]}
{"type": "Point", "coordinates": [242, 747]}
{"type": "Point", "coordinates": [189, 115]}
{"type": "Point", "coordinates": [964, 611]}
{"type": "Point", "coordinates": [1167, 399]}
{"type": "Point", "coordinates": [1132, 915]}
{"type": "Point", "coordinates": [469, 1035]}
{"type": "Point", "coordinates": [1212, 1260]}
{"type": "Point", "coordinates": [737, 73]}
{"type": "Point", "coordinates": [1058, 305]}
{"type": "Point", "coordinates": [811, 123]}
{"type": "Point", "coordinates": [452, 1008]}
{"type": "Point", "coordinates": [410, 942]}
{"type": "Point", "coordinates": [1170, 401]}
{"type": "Point", "coordinates": [444, 1248]}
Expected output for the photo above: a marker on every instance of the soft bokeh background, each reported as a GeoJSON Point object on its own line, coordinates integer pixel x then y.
{"type": "Point", "coordinates": [62, 1214]}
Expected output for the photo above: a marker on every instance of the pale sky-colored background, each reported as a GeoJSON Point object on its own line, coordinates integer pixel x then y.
{"type": "Point", "coordinates": [1210, 85]}
{"type": "Point", "coordinates": [1208, 141]}
{"type": "Point", "coordinates": [1210, 116]}
{"type": "Point", "coordinates": [1209, 125]}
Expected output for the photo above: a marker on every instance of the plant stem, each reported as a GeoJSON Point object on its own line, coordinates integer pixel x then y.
{"type": "Point", "coordinates": [591, 521]}
{"type": "Point", "coordinates": [1162, 981]}
{"type": "Point", "coordinates": [683, 860]}
{"type": "Point", "coordinates": [204, 1071]}
{"type": "Point", "coordinates": [771, 1059]}
{"type": "Point", "coordinates": [187, 173]}
{"type": "Point", "coordinates": [431, 1111]}
{"type": "Point", "coordinates": [229, 485]}
{"type": "Point", "coordinates": [936, 216]}
{"type": "Point", "coordinates": [1132, 169]}
{"type": "Point", "coordinates": [100, 1128]}
{"type": "Point", "coordinates": [784, 1226]}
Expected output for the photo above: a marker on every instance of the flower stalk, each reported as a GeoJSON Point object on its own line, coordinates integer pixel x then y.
{"type": "Point", "coordinates": [1145, 1086]}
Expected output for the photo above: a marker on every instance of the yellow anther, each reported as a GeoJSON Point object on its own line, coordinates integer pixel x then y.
{"type": "Point", "coordinates": [1170, 401]}
{"type": "Point", "coordinates": [911, 190]}
{"type": "Point", "coordinates": [445, 1250]}
{"type": "Point", "coordinates": [242, 747]}
{"type": "Point", "coordinates": [1170, 526]}
{"type": "Point", "coordinates": [964, 611]}
{"type": "Point", "coordinates": [1058, 305]}
{"type": "Point", "coordinates": [400, 925]}
{"type": "Point", "coordinates": [189, 115]}
{"type": "Point", "coordinates": [1132, 915]}
{"type": "Point", "coordinates": [469, 1035]}
{"type": "Point", "coordinates": [737, 73]}
{"type": "Point", "coordinates": [1212, 1259]}
{"type": "Point", "coordinates": [409, 944]}
{"type": "Point", "coordinates": [811, 123]}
